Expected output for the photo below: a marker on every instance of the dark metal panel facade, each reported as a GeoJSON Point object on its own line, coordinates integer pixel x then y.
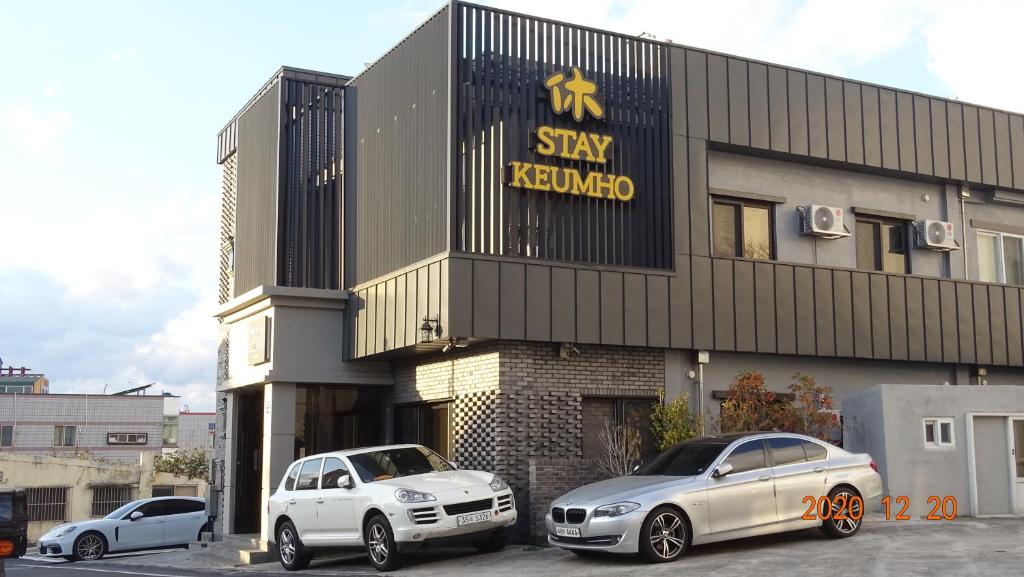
{"type": "Point", "coordinates": [563, 295]}
{"type": "Point", "coordinates": [798, 138]}
{"type": "Point", "coordinates": [680, 311]}
{"type": "Point", "coordinates": [1014, 340]}
{"type": "Point", "coordinates": [612, 308]}
{"type": "Point", "coordinates": [824, 313]}
{"type": "Point", "coordinates": [658, 319]}
{"type": "Point", "coordinates": [256, 227]}
{"type": "Point", "coordinates": [778, 114]}
{"type": "Point", "coordinates": [871, 121]}
{"type": "Point", "coordinates": [703, 303]}
{"type": "Point", "coordinates": [785, 310]}
{"type": "Point", "coordinates": [538, 302]}
{"type": "Point", "coordinates": [634, 314]}
{"type": "Point", "coordinates": [940, 138]}
{"type": "Point", "coordinates": [513, 303]}
{"type": "Point", "coordinates": [724, 306]}
{"type": "Point", "coordinates": [817, 126]}
{"type": "Point", "coordinates": [835, 119]}
{"type": "Point", "coordinates": [757, 85]}
{"type": "Point", "coordinates": [898, 318]}
{"type": "Point", "coordinates": [743, 285]}
{"type": "Point", "coordinates": [933, 324]}
{"type": "Point", "coordinates": [915, 319]}
{"type": "Point", "coordinates": [502, 60]}
{"type": "Point", "coordinates": [855, 133]}
{"type": "Point", "coordinates": [588, 306]}
{"type": "Point", "coordinates": [803, 284]}
{"type": "Point", "coordinates": [309, 212]}
{"type": "Point", "coordinates": [923, 135]}
{"type": "Point", "coordinates": [396, 162]}
{"type": "Point", "coordinates": [718, 98]}
{"type": "Point", "coordinates": [739, 104]}
{"type": "Point", "coordinates": [764, 306]}
{"type": "Point", "coordinates": [997, 314]}
{"type": "Point", "coordinates": [486, 299]}
{"type": "Point", "coordinates": [842, 301]}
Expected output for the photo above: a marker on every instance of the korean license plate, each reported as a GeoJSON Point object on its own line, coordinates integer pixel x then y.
{"type": "Point", "coordinates": [567, 531]}
{"type": "Point", "coordinates": [473, 518]}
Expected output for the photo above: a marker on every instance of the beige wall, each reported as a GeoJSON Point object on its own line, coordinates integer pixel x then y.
{"type": "Point", "coordinates": [29, 471]}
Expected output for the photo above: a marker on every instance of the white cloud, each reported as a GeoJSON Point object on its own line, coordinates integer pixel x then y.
{"type": "Point", "coordinates": [975, 48]}
{"type": "Point", "coordinates": [122, 54]}
{"type": "Point", "coordinates": [30, 129]}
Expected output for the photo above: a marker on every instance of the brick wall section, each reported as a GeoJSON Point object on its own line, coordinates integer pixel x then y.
{"type": "Point", "coordinates": [551, 478]}
{"type": "Point", "coordinates": [539, 407]}
{"type": "Point", "coordinates": [515, 401]}
{"type": "Point", "coordinates": [467, 377]}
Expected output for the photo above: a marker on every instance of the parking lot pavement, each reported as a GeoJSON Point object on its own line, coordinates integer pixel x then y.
{"type": "Point", "coordinates": [918, 548]}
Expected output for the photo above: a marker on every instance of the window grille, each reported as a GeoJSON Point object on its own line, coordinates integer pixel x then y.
{"type": "Point", "coordinates": [127, 438]}
{"type": "Point", "coordinates": [47, 503]}
{"type": "Point", "coordinates": [106, 498]}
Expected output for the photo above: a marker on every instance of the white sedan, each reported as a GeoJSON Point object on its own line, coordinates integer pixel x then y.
{"type": "Point", "coordinates": [391, 500]}
{"type": "Point", "coordinates": [144, 524]}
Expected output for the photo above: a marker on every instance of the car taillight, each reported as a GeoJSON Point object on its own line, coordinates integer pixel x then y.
{"type": "Point", "coordinates": [874, 465]}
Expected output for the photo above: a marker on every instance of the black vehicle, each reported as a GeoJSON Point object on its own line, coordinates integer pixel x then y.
{"type": "Point", "coordinates": [13, 523]}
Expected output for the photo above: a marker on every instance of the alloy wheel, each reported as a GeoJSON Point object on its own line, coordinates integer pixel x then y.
{"type": "Point", "coordinates": [287, 545]}
{"type": "Point", "coordinates": [845, 500]}
{"type": "Point", "coordinates": [668, 535]}
{"type": "Point", "coordinates": [89, 547]}
{"type": "Point", "coordinates": [378, 544]}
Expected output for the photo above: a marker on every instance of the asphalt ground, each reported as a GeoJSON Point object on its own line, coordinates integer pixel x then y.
{"type": "Point", "coordinates": [917, 548]}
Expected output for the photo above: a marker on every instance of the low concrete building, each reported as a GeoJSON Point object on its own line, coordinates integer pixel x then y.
{"type": "Point", "coordinates": [943, 441]}
{"type": "Point", "coordinates": [20, 380]}
{"type": "Point", "coordinates": [62, 489]}
{"type": "Point", "coordinates": [110, 427]}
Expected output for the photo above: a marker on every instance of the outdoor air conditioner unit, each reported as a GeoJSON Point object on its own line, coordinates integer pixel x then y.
{"type": "Point", "coordinates": [823, 221]}
{"type": "Point", "coordinates": [935, 235]}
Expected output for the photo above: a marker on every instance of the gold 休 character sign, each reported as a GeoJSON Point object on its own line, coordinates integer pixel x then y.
{"type": "Point", "coordinates": [572, 92]}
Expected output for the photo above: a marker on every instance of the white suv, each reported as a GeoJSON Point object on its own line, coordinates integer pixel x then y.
{"type": "Point", "coordinates": [392, 500]}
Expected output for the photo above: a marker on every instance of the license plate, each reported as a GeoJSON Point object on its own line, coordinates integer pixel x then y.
{"type": "Point", "coordinates": [567, 531]}
{"type": "Point", "coordinates": [473, 518]}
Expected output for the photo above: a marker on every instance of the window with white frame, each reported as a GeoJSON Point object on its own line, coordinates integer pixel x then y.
{"type": "Point", "coordinates": [1000, 257]}
{"type": "Point", "coordinates": [938, 433]}
{"type": "Point", "coordinates": [64, 435]}
{"type": "Point", "coordinates": [127, 438]}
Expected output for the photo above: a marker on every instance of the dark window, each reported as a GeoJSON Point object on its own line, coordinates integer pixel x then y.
{"type": "Point", "coordinates": [309, 476]}
{"type": "Point", "coordinates": [882, 245]}
{"type": "Point", "coordinates": [684, 459]}
{"type": "Point", "coordinates": [151, 509]}
{"type": "Point", "coordinates": [747, 457]}
{"type": "Point", "coordinates": [400, 462]}
{"type": "Point", "coordinates": [814, 451]}
{"type": "Point", "coordinates": [127, 438]}
{"type": "Point", "coordinates": [64, 435]}
{"type": "Point", "coordinates": [600, 411]}
{"type": "Point", "coordinates": [163, 491]}
{"type": "Point", "coordinates": [334, 470]}
{"type": "Point", "coordinates": [6, 436]}
{"type": "Point", "coordinates": [787, 450]}
{"type": "Point", "coordinates": [426, 424]}
{"type": "Point", "coordinates": [183, 506]}
{"type": "Point", "coordinates": [742, 228]}
{"type": "Point", "coordinates": [293, 474]}
{"type": "Point", "coordinates": [109, 498]}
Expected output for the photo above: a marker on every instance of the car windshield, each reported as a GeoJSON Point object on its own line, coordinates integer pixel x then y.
{"type": "Point", "coordinates": [401, 462]}
{"type": "Point", "coordinates": [685, 459]}
{"type": "Point", "coordinates": [6, 506]}
{"type": "Point", "coordinates": [123, 509]}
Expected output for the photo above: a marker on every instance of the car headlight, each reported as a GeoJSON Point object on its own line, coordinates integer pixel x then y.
{"type": "Point", "coordinates": [498, 484]}
{"type": "Point", "coordinates": [616, 509]}
{"type": "Point", "coordinates": [411, 496]}
{"type": "Point", "coordinates": [65, 531]}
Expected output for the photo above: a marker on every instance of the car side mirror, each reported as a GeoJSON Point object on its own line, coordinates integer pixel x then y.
{"type": "Point", "coordinates": [345, 482]}
{"type": "Point", "coordinates": [722, 470]}
{"type": "Point", "coordinates": [136, 515]}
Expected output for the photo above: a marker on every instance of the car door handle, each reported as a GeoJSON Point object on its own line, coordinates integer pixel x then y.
{"type": "Point", "coordinates": [291, 501]}
{"type": "Point", "coordinates": [819, 469]}
{"type": "Point", "coordinates": [764, 478]}
{"type": "Point", "coordinates": [319, 499]}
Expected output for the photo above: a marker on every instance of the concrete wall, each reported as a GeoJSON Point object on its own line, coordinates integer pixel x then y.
{"type": "Point", "coordinates": [194, 431]}
{"type": "Point", "coordinates": [35, 416]}
{"type": "Point", "coordinates": [888, 422]}
{"type": "Point", "coordinates": [81, 475]}
{"type": "Point", "coordinates": [803, 185]}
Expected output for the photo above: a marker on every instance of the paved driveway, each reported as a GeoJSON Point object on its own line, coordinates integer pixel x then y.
{"type": "Point", "coordinates": [919, 548]}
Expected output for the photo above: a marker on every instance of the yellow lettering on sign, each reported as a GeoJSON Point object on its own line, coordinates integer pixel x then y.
{"type": "Point", "coordinates": [572, 145]}
{"type": "Point", "coordinates": [593, 184]}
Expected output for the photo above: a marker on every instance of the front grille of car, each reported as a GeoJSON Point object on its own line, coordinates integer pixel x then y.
{"type": "Point", "coordinates": [52, 549]}
{"type": "Point", "coordinates": [601, 540]}
{"type": "Point", "coordinates": [468, 507]}
{"type": "Point", "coordinates": [505, 503]}
{"type": "Point", "coordinates": [424, 516]}
{"type": "Point", "coordinates": [575, 516]}
{"type": "Point", "coordinates": [558, 515]}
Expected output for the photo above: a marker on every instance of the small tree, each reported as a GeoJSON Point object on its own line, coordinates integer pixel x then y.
{"type": "Point", "coordinates": [751, 406]}
{"type": "Point", "coordinates": [672, 422]}
{"type": "Point", "coordinates": [194, 464]}
{"type": "Point", "coordinates": [620, 449]}
{"type": "Point", "coordinates": [809, 411]}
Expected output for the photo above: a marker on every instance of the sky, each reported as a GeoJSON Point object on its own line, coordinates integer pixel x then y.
{"type": "Point", "coordinates": [109, 189]}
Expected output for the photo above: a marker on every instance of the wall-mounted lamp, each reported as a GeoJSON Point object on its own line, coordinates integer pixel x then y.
{"type": "Point", "coordinates": [430, 329]}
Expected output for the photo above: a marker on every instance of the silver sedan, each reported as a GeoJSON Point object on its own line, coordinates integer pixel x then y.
{"type": "Point", "coordinates": [715, 489]}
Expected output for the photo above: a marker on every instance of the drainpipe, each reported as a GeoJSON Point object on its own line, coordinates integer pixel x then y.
{"type": "Point", "coordinates": [965, 193]}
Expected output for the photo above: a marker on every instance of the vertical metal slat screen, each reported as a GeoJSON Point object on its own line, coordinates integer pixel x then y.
{"type": "Point", "coordinates": [502, 61]}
